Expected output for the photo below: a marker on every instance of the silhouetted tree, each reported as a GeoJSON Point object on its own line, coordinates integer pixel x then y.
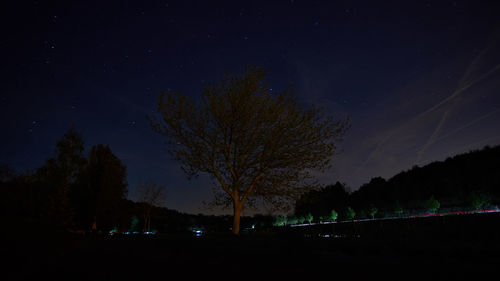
{"type": "Point", "coordinates": [151, 195]}
{"type": "Point", "coordinates": [369, 194]}
{"type": "Point", "coordinates": [6, 173]}
{"type": "Point", "coordinates": [320, 202]}
{"type": "Point", "coordinates": [103, 187]}
{"type": "Point", "coordinates": [372, 211]}
{"type": "Point", "coordinates": [60, 174]}
{"type": "Point", "coordinates": [18, 196]}
{"type": "Point", "coordinates": [256, 145]}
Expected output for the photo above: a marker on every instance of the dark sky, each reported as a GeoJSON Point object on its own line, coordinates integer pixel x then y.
{"type": "Point", "coordinates": [420, 80]}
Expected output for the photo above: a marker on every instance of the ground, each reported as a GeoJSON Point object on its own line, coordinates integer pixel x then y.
{"type": "Point", "coordinates": [248, 257]}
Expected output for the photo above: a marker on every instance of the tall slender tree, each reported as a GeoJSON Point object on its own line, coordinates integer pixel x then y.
{"type": "Point", "coordinates": [150, 195]}
{"type": "Point", "coordinates": [105, 186]}
{"type": "Point", "coordinates": [62, 172]}
{"type": "Point", "coordinates": [254, 144]}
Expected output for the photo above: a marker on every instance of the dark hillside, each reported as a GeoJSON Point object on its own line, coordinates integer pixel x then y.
{"type": "Point", "coordinates": [455, 183]}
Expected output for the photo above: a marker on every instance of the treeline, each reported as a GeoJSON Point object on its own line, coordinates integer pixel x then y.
{"type": "Point", "coordinates": [466, 182]}
{"type": "Point", "coordinates": [71, 191]}
{"type": "Point", "coordinates": [87, 193]}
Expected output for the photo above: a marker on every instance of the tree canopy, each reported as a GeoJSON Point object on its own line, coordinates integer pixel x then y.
{"type": "Point", "coordinates": [256, 145]}
{"type": "Point", "coordinates": [104, 185]}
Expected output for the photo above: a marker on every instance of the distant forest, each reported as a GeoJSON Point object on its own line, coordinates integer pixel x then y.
{"type": "Point", "coordinates": [463, 182]}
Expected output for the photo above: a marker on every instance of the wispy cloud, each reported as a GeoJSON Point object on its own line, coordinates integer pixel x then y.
{"type": "Point", "coordinates": [419, 132]}
{"type": "Point", "coordinates": [449, 102]}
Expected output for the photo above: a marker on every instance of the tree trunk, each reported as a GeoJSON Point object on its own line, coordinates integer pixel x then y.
{"type": "Point", "coordinates": [149, 223]}
{"type": "Point", "coordinates": [236, 218]}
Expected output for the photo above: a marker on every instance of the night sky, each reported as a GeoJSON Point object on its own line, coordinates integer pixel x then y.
{"type": "Point", "coordinates": [420, 80]}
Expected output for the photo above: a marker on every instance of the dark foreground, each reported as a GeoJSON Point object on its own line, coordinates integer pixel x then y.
{"type": "Point", "coordinates": [144, 258]}
{"type": "Point", "coordinates": [281, 256]}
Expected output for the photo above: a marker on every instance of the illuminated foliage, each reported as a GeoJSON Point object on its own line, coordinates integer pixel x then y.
{"type": "Point", "coordinates": [398, 209]}
{"type": "Point", "coordinates": [333, 215]}
{"type": "Point", "coordinates": [309, 218]}
{"type": "Point", "coordinates": [301, 219]}
{"type": "Point", "coordinates": [134, 225]}
{"type": "Point", "coordinates": [280, 221]}
{"type": "Point", "coordinates": [433, 204]}
{"type": "Point", "coordinates": [258, 146]}
{"type": "Point", "coordinates": [478, 200]}
{"type": "Point", "coordinates": [372, 211]}
{"type": "Point", "coordinates": [350, 213]}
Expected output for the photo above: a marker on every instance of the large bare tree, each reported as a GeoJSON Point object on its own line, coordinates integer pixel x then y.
{"type": "Point", "coordinates": [254, 144]}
